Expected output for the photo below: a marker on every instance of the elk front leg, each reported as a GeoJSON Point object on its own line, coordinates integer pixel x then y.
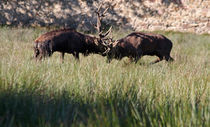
{"type": "Point", "coordinates": [138, 56]}
{"type": "Point", "coordinates": [76, 55]}
{"type": "Point", "coordinates": [108, 60]}
{"type": "Point", "coordinates": [136, 59]}
{"type": "Point", "coordinates": [40, 57]}
{"type": "Point", "coordinates": [62, 57]}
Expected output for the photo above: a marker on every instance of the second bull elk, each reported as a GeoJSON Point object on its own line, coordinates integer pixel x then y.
{"type": "Point", "coordinates": [138, 44]}
{"type": "Point", "coordinates": [71, 41]}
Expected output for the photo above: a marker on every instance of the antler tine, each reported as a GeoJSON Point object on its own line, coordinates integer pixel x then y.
{"type": "Point", "coordinates": [108, 32]}
{"type": "Point", "coordinates": [101, 35]}
{"type": "Point", "coordinates": [103, 14]}
{"type": "Point", "coordinates": [115, 43]}
{"type": "Point", "coordinates": [99, 8]}
{"type": "Point", "coordinates": [111, 38]}
{"type": "Point", "coordinates": [93, 25]}
{"type": "Point", "coordinates": [98, 26]}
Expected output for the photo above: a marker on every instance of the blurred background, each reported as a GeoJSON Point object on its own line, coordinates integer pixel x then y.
{"type": "Point", "coordinates": [170, 15]}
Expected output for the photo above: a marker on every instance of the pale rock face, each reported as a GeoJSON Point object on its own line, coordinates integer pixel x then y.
{"type": "Point", "coordinates": [190, 16]}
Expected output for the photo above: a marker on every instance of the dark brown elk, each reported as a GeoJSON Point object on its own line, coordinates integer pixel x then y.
{"type": "Point", "coordinates": [71, 41]}
{"type": "Point", "coordinates": [138, 44]}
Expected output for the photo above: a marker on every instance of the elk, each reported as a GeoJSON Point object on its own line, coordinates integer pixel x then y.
{"type": "Point", "coordinates": [72, 42]}
{"type": "Point", "coordinates": [137, 44]}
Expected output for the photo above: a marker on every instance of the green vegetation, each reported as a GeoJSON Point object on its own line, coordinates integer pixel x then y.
{"type": "Point", "coordinates": [94, 93]}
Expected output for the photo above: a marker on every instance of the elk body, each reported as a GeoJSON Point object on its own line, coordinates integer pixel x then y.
{"type": "Point", "coordinates": [137, 44]}
{"type": "Point", "coordinates": [67, 41]}
{"type": "Point", "coordinates": [71, 41]}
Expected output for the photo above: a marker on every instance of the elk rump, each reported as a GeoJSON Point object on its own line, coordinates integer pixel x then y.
{"type": "Point", "coordinates": [138, 44]}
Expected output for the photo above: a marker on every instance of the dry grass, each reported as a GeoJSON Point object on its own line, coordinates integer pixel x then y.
{"type": "Point", "coordinates": [94, 93]}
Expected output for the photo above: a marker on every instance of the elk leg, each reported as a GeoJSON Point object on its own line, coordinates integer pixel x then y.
{"type": "Point", "coordinates": [158, 60]}
{"type": "Point", "coordinates": [37, 57]}
{"type": "Point", "coordinates": [76, 55]}
{"type": "Point", "coordinates": [108, 60]}
{"type": "Point", "coordinates": [36, 53]}
{"type": "Point", "coordinates": [138, 56]}
{"type": "Point", "coordinates": [131, 59]}
{"type": "Point", "coordinates": [40, 57]}
{"type": "Point", "coordinates": [169, 58]}
{"type": "Point", "coordinates": [137, 59]}
{"type": "Point", "coordinates": [62, 57]}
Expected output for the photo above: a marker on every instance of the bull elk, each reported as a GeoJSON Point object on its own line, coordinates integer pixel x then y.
{"type": "Point", "coordinates": [138, 44]}
{"type": "Point", "coordinates": [72, 42]}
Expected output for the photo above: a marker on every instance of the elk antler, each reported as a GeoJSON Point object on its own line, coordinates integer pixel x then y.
{"type": "Point", "coordinates": [98, 25]}
{"type": "Point", "coordinates": [106, 34]}
{"type": "Point", "coordinates": [110, 45]}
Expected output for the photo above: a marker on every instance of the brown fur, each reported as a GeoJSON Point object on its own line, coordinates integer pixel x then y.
{"type": "Point", "coordinates": [67, 41]}
{"type": "Point", "coordinates": [51, 34]}
{"type": "Point", "coordinates": [138, 44]}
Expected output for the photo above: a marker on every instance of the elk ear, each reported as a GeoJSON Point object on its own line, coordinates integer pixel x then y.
{"type": "Point", "coordinates": [96, 41]}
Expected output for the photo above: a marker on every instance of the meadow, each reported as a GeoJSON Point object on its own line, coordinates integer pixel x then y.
{"type": "Point", "coordinates": [92, 92]}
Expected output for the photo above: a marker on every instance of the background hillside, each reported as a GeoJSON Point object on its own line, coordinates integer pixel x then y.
{"type": "Point", "coordinates": [176, 15]}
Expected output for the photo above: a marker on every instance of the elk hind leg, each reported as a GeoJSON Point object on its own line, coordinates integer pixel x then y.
{"type": "Point", "coordinates": [62, 56]}
{"type": "Point", "coordinates": [160, 58]}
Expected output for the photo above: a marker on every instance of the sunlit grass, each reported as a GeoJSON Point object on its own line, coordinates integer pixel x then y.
{"type": "Point", "coordinates": [92, 92]}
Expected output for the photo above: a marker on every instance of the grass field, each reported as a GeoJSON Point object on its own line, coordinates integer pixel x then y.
{"type": "Point", "coordinates": [94, 93]}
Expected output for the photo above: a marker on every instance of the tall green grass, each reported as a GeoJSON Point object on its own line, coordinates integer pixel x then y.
{"type": "Point", "coordinates": [92, 92]}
